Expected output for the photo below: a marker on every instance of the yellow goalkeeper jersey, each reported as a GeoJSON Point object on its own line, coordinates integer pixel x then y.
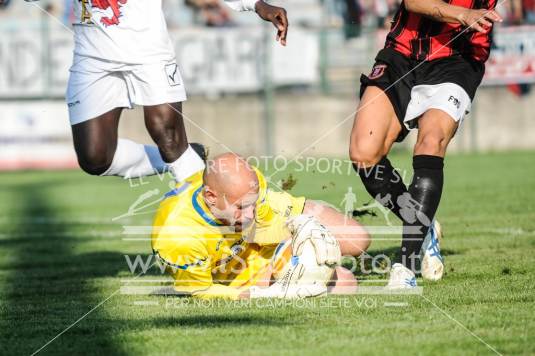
{"type": "Point", "coordinates": [207, 259]}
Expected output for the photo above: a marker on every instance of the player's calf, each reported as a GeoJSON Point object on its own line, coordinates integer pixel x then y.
{"type": "Point", "coordinates": [166, 127]}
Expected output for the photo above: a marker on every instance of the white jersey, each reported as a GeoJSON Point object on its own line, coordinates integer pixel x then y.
{"type": "Point", "coordinates": [123, 56]}
{"type": "Point", "coordinates": [124, 31]}
{"type": "Point", "coordinates": [127, 31]}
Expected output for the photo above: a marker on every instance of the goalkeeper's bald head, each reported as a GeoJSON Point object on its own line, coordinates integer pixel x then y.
{"type": "Point", "coordinates": [231, 189]}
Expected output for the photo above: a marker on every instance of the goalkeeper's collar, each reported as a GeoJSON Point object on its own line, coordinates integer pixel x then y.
{"type": "Point", "coordinates": [200, 207]}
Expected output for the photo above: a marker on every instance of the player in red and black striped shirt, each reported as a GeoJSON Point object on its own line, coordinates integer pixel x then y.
{"type": "Point", "coordinates": [425, 78]}
{"type": "Point", "coordinates": [424, 38]}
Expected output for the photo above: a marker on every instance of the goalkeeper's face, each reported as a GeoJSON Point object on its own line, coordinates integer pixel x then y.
{"type": "Point", "coordinates": [231, 190]}
{"type": "Point", "coordinates": [236, 211]}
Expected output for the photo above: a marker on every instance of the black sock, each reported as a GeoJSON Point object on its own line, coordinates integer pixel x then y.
{"type": "Point", "coordinates": [383, 183]}
{"type": "Point", "coordinates": [419, 206]}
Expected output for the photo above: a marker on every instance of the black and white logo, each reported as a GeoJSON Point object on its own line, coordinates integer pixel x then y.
{"type": "Point", "coordinates": [172, 74]}
{"type": "Point", "coordinates": [455, 101]}
{"type": "Point", "coordinates": [74, 103]}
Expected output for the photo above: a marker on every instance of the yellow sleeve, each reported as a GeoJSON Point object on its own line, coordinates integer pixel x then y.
{"type": "Point", "coordinates": [270, 224]}
{"type": "Point", "coordinates": [190, 265]}
{"type": "Point", "coordinates": [271, 231]}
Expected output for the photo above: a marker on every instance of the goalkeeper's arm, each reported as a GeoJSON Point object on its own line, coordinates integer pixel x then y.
{"type": "Point", "coordinates": [197, 282]}
{"type": "Point", "coordinates": [190, 266]}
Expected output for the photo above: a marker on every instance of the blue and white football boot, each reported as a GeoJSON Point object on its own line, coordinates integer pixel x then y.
{"type": "Point", "coordinates": [432, 260]}
{"type": "Point", "coordinates": [401, 277]}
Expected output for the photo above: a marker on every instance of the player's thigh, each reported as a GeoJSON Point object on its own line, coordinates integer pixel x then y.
{"type": "Point", "coordinates": [95, 140]}
{"type": "Point", "coordinates": [444, 99]}
{"type": "Point", "coordinates": [92, 93]}
{"type": "Point", "coordinates": [436, 128]}
{"type": "Point", "coordinates": [375, 128]}
{"type": "Point", "coordinates": [351, 235]}
{"type": "Point", "coordinates": [158, 88]}
{"type": "Point", "coordinates": [95, 100]}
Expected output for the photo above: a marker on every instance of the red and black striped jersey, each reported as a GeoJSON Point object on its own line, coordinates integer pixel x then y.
{"type": "Point", "coordinates": [422, 38]}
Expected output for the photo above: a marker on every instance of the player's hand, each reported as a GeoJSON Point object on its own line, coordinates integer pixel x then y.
{"type": "Point", "coordinates": [307, 228]}
{"type": "Point", "coordinates": [275, 15]}
{"type": "Point", "coordinates": [480, 20]}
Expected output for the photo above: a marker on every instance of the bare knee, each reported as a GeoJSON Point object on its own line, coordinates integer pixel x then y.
{"type": "Point", "coordinates": [355, 241]}
{"type": "Point", "coordinates": [94, 157]}
{"type": "Point", "coordinates": [364, 154]}
{"type": "Point", "coordinates": [353, 238]}
{"type": "Point", "coordinates": [433, 144]}
{"type": "Point", "coordinates": [94, 160]}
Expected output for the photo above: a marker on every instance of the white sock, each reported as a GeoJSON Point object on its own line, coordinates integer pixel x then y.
{"type": "Point", "coordinates": [186, 165]}
{"type": "Point", "coordinates": [133, 160]}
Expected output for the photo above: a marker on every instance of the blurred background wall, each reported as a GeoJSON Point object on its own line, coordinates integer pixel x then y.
{"type": "Point", "coordinates": [246, 93]}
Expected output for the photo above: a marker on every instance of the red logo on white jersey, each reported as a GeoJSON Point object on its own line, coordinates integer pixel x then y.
{"type": "Point", "coordinates": [114, 5]}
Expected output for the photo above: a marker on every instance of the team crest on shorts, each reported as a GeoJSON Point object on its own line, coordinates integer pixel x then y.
{"type": "Point", "coordinates": [377, 71]}
{"type": "Point", "coordinates": [171, 71]}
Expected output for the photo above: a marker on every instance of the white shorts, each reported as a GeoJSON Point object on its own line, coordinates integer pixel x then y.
{"type": "Point", "coordinates": [93, 91]}
{"type": "Point", "coordinates": [448, 97]}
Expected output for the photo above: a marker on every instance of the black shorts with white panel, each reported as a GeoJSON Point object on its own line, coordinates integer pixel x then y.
{"type": "Point", "coordinates": [413, 86]}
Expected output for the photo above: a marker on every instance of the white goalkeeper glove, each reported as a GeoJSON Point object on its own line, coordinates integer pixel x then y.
{"type": "Point", "coordinates": [315, 254]}
{"type": "Point", "coordinates": [306, 227]}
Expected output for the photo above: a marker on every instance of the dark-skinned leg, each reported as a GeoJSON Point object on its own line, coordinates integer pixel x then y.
{"type": "Point", "coordinates": [95, 141]}
{"type": "Point", "coordinates": [101, 152]}
{"type": "Point", "coordinates": [166, 127]}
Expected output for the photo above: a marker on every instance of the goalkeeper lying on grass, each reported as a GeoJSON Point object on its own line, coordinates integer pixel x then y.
{"type": "Point", "coordinates": [222, 233]}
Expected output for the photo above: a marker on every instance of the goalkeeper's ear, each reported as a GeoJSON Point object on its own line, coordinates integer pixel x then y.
{"type": "Point", "coordinates": [210, 196]}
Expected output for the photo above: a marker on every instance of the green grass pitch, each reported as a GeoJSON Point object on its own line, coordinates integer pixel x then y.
{"type": "Point", "coordinates": [61, 255]}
